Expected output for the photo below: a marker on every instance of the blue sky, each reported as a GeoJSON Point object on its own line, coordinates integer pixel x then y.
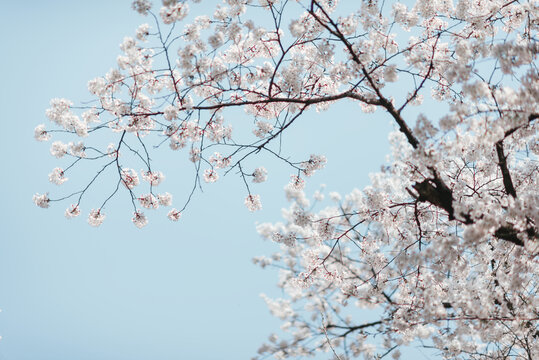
{"type": "Point", "coordinates": [185, 290]}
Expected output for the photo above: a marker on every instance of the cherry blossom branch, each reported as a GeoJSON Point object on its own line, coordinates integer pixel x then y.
{"type": "Point", "coordinates": [350, 329]}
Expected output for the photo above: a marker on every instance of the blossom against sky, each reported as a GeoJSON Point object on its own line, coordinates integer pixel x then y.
{"type": "Point", "coordinates": [172, 290]}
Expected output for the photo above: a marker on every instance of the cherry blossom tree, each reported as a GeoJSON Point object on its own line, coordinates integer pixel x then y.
{"type": "Point", "coordinates": [442, 247]}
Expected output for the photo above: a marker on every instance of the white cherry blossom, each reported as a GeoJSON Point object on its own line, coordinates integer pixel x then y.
{"type": "Point", "coordinates": [441, 247]}
{"type": "Point", "coordinates": [57, 176]}
{"type": "Point", "coordinates": [96, 217]}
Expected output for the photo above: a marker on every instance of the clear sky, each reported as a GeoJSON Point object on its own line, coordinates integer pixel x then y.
{"type": "Point", "coordinates": [185, 290]}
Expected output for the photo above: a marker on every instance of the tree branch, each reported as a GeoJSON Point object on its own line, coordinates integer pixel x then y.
{"type": "Point", "coordinates": [502, 163]}
{"type": "Point", "coordinates": [354, 328]}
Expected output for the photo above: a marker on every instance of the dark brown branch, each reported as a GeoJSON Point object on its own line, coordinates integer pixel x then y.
{"type": "Point", "coordinates": [354, 328]}
{"type": "Point", "coordinates": [502, 163]}
{"type": "Point", "coordinates": [435, 192]}
{"type": "Point", "coordinates": [310, 101]}
{"type": "Point", "coordinates": [509, 233]}
{"type": "Point", "coordinates": [531, 117]}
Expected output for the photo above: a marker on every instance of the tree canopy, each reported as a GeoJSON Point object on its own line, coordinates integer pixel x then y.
{"type": "Point", "coordinates": [442, 247]}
